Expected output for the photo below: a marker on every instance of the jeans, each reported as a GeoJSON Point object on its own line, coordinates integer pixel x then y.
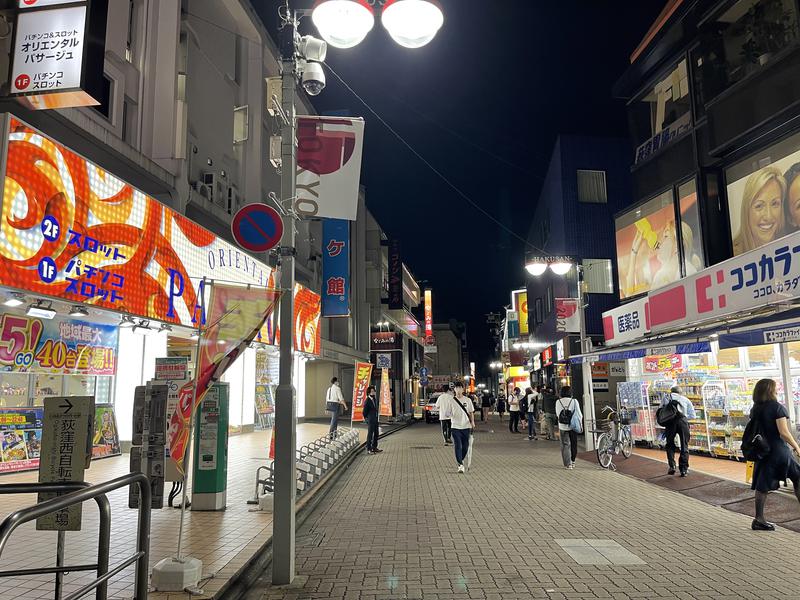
{"type": "Point", "coordinates": [569, 447]}
{"type": "Point", "coordinates": [679, 427]}
{"type": "Point", "coordinates": [372, 433]}
{"type": "Point", "coordinates": [461, 444]}
{"type": "Point", "coordinates": [334, 422]}
{"type": "Point", "coordinates": [531, 424]}
{"type": "Point", "coordinates": [513, 423]}
{"type": "Point", "coordinates": [445, 429]}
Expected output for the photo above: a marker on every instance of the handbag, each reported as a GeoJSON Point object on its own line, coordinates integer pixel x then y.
{"type": "Point", "coordinates": [754, 445]}
{"type": "Point", "coordinates": [575, 423]}
{"type": "Point", "coordinates": [329, 405]}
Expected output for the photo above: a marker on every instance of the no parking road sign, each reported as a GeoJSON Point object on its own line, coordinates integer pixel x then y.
{"type": "Point", "coordinates": [257, 227]}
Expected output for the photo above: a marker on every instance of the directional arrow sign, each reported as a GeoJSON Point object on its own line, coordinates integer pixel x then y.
{"type": "Point", "coordinates": [67, 406]}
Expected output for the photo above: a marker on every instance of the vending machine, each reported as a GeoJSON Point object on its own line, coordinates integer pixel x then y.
{"type": "Point", "coordinates": [210, 475]}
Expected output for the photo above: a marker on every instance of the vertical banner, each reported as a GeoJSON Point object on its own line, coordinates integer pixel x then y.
{"type": "Point", "coordinates": [395, 275]}
{"type": "Point", "coordinates": [386, 395]}
{"type": "Point", "coordinates": [335, 268]}
{"type": "Point", "coordinates": [360, 385]}
{"type": "Point", "coordinates": [519, 301]}
{"type": "Point", "coordinates": [328, 166]}
{"type": "Point", "coordinates": [568, 319]}
{"type": "Point", "coordinates": [428, 317]}
{"type": "Point", "coordinates": [235, 317]}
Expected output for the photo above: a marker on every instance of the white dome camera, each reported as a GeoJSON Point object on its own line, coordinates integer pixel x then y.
{"type": "Point", "coordinates": [313, 78]}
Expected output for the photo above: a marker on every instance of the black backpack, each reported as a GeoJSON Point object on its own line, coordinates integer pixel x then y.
{"type": "Point", "coordinates": [564, 414]}
{"type": "Point", "coordinates": [523, 404]}
{"type": "Point", "coordinates": [754, 446]}
{"type": "Point", "coordinates": [668, 413]}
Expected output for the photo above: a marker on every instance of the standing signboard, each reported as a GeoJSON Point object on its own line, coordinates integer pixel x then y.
{"type": "Point", "coordinates": [58, 53]}
{"type": "Point", "coordinates": [335, 268]}
{"type": "Point", "coordinates": [174, 373]}
{"type": "Point", "coordinates": [66, 453]}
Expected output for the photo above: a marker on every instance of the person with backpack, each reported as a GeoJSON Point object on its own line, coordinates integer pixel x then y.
{"type": "Point", "coordinates": [570, 424]}
{"type": "Point", "coordinates": [462, 416]}
{"type": "Point", "coordinates": [768, 441]}
{"type": "Point", "coordinates": [334, 403]}
{"type": "Point", "coordinates": [371, 417]}
{"type": "Point", "coordinates": [681, 409]}
{"type": "Point", "coordinates": [513, 411]}
{"type": "Point", "coordinates": [531, 411]}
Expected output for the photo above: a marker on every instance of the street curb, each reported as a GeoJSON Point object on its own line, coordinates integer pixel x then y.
{"type": "Point", "coordinates": [254, 569]}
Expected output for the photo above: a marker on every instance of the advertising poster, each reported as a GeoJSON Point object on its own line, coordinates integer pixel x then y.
{"type": "Point", "coordinates": [265, 400]}
{"type": "Point", "coordinates": [307, 314]}
{"type": "Point", "coordinates": [173, 371]}
{"type": "Point", "coordinates": [764, 197]}
{"type": "Point", "coordinates": [106, 435]}
{"type": "Point", "coordinates": [20, 438]}
{"type": "Point", "coordinates": [647, 247]}
{"type": "Point", "coordinates": [360, 384]}
{"type": "Point", "coordinates": [386, 395]}
{"type": "Point", "coordinates": [663, 364]}
{"type": "Point", "coordinates": [567, 315]}
{"type": "Point", "coordinates": [335, 268]}
{"type": "Point", "coordinates": [32, 345]}
{"type": "Point", "coordinates": [520, 306]}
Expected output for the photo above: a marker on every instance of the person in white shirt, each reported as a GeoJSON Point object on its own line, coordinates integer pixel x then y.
{"type": "Point", "coordinates": [569, 435]}
{"type": "Point", "coordinates": [334, 404]}
{"type": "Point", "coordinates": [513, 411]}
{"type": "Point", "coordinates": [444, 407]}
{"type": "Point", "coordinates": [533, 412]}
{"type": "Point", "coordinates": [462, 417]}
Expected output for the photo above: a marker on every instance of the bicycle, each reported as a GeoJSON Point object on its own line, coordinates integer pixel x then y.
{"type": "Point", "coordinates": [611, 443]}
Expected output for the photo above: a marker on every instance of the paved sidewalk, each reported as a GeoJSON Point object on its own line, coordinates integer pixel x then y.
{"type": "Point", "coordinates": [404, 525]}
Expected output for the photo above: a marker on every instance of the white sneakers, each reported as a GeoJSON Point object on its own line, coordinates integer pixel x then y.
{"type": "Point", "coordinates": [461, 468]}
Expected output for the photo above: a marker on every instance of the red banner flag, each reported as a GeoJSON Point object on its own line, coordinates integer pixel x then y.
{"type": "Point", "coordinates": [386, 394]}
{"type": "Point", "coordinates": [235, 317]}
{"type": "Point", "coordinates": [360, 385]}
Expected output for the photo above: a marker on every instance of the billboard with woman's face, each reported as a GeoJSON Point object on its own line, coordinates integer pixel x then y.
{"type": "Point", "coordinates": [764, 196]}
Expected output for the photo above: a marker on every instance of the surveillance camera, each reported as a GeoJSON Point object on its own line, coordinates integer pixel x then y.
{"type": "Point", "coordinates": [313, 78]}
{"type": "Point", "coordinates": [311, 48]}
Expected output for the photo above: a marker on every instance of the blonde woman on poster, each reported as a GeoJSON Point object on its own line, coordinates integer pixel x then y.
{"type": "Point", "coordinates": [761, 210]}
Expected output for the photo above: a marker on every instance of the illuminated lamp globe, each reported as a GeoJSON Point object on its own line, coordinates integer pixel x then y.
{"type": "Point", "coordinates": [560, 268]}
{"type": "Point", "coordinates": [536, 268]}
{"type": "Point", "coordinates": [412, 23]}
{"type": "Point", "coordinates": [343, 23]}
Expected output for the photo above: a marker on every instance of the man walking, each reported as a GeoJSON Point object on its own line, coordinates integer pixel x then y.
{"type": "Point", "coordinates": [334, 403]}
{"type": "Point", "coordinates": [549, 406]}
{"type": "Point", "coordinates": [371, 417]}
{"type": "Point", "coordinates": [678, 426]}
{"type": "Point", "coordinates": [463, 421]}
{"type": "Point", "coordinates": [444, 407]}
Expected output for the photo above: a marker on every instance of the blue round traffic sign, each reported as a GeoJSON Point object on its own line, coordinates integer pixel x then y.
{"type": "Point", "coordinates": [257, 227]}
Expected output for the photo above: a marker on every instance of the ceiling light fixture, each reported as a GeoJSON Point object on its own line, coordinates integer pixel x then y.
{"type": "Point", "coordinates": [78, 311]}
{"type": "Point", "coordinates": [14, 300]}
{"type": "Point", "coordinates": [143, 328]}
{"type": "Point", "coordinates": [41, 310]}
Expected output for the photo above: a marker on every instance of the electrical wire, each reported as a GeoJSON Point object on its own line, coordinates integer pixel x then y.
{"type": "Point", "coordinates": [428, 164]}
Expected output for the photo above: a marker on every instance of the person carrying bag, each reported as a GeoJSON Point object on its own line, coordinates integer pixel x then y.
{"type": "Point", "coordinates": [334, 403]}
{"type": "Point", "coordinates": [462, 422]}
{"type": "Point", "coordinates": [570, 424]}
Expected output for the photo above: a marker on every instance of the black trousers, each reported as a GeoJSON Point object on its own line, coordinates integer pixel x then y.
{"type": "Point", "coordinates": [445, 429]}
{"type": "Point", "coordinates": [372, 433]}
{"type": "Point", "coordinates": [679, 427]}
{"type": "Point", "coordinates": [513, 424]}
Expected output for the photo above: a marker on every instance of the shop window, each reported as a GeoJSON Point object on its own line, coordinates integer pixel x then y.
{"type": "Point", "coordinates": [702, 359]}
{"type": "Point", "coordinates": [598, 275]}
{"type": "Point", "coordinates": [592, 187]}
{"type": "Point", "coordinates": [794, 355]}
{"type": "Point", "coordinates": [13, 390]}
{"type": "Point", "coordinates": [691, 230]}
{"type": "Point", "coordinates": [729, 360]}
{"type": "Point", "coordinates": [762, 358]}
{"type": "Point", "coordinates": [740, 41]}
{"type": "Point", "coordinates": [664, 107]}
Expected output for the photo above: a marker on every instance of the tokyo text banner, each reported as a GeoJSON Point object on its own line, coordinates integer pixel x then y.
{"type": "Point", "coordinates": [386, 394]}
{"type": "Point", "coordinates": [360, 385]}
{"type": "Point", "coordinates": [235, 317]}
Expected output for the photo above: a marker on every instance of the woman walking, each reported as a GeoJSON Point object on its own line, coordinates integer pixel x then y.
{"type": "Point", "coordinates": [772, 420]}
{"type": "Point", "coordinates": [501, 406]}
{"type": "Point", "coordinates": [513, 411]}
{"type": "Point", "coordinates": [570, 419]}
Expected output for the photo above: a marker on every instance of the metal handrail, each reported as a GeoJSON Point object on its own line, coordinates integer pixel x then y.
{"type": "Point", "coordinates": [79, 496]}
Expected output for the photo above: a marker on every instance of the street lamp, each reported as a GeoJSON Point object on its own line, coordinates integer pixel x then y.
{"type": "Point", "coordinates": [561, 265]}
{"type": "Point", "coordinates": [345, 23]}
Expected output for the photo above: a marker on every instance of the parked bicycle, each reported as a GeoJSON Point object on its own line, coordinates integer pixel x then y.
{"type": "Point", "coordinates": [618, 440]}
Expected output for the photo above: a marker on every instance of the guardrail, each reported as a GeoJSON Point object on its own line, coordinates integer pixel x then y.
{"type": "Point", "coordinates": [78, 493]}
{"type": "Point", "coordinates": [313, 460]}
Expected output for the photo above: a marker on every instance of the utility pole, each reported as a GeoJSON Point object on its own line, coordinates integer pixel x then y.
{"type": "Point", "coordinates": [586, 367]}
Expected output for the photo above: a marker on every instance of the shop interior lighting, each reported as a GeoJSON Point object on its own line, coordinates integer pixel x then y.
{"type": "Point", "coordinates": [127, 321]}
{"type": "Point", "coordinates": [412, 23]}
{"type": "Point", "coordinates": [143, 328]}
{"type": "Point", "coordinates": [42, 310]}
{"type": "Point", "coordinates": [14, 300]}
{"type": "Point", "coordinates": [78, 311]}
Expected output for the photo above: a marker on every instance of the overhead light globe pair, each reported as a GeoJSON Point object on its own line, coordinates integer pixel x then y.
{"type": "Point", "coordinates": [345, 23]}
{"type": "Point", "coordinates": [537, 268]}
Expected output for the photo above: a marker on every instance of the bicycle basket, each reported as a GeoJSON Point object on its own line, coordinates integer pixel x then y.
{"type": "Point", "coordinates": [602, 425]}
{"type": "Point", "coordinates": [624, 417]}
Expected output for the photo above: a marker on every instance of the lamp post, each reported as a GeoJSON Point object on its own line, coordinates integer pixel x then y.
{"type": "Point", "coordinates": [342, 24]}
{"type": "Point", "coordinates": [561, 265]}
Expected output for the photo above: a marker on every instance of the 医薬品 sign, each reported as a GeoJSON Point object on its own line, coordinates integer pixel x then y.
{"type": "Point", "coordinates": [626, 323]}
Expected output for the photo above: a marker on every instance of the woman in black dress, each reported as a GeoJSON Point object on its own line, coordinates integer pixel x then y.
{"type": "Point", "coordinates": [779, 465]}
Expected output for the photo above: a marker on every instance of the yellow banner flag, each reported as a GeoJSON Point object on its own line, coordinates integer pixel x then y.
{"type": "Point", "coordinates": [386, 395]}
{"type": "Point", "coordinates": [360, 385]}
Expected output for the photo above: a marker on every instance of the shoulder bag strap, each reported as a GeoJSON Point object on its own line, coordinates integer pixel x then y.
{"type": "Point", "coordinates": [457, 401]}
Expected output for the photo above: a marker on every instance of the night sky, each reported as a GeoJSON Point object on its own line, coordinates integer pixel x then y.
{"type": "Point", "coordinates": [483, 103]}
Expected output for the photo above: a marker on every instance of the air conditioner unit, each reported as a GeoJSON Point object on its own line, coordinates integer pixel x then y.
{"type": "Point", "coordinates": [205, 191]}
{"type": "Point", "coordinates": [233, 199]}
{"type": "Point", "coordinates": [275, 151]}
{"type": "Point", "coordinates": [274, 94]}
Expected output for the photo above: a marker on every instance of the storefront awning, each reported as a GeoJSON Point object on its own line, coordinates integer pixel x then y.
{"type": "Point", "coordinates": [655, 348]}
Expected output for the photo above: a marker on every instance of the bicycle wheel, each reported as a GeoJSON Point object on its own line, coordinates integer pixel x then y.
{"type": "Point", "coordinates": [605, 446]}
{"type": "Point", "coordinates": [627, 442]}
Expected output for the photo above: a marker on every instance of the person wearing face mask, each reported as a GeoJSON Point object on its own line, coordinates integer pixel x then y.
{"type": "Point", "coordinates": [761, 214]}
{"type": "Point", "coordinates": [371, 417]}
{"type": "Point", "coordinates": [462, 415]}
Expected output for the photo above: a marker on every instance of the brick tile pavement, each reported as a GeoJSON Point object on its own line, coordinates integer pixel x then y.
{"type": "Point", "coordinates": [404, 525]}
